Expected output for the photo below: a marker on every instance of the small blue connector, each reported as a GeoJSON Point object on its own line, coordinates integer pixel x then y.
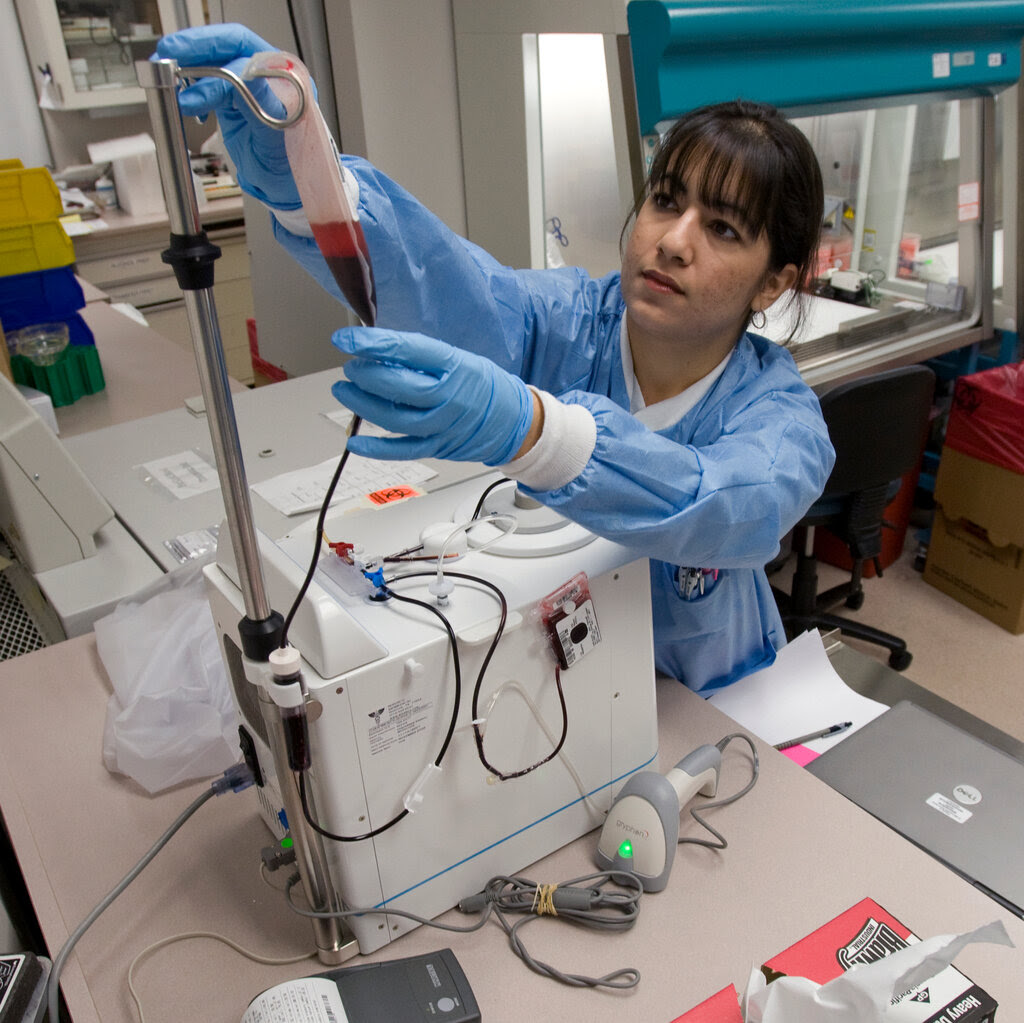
{"type": "Point", "coordinates": [235, 778]}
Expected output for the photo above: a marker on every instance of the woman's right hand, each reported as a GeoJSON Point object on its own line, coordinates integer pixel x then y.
{"type": "Point", "coordinates": [257, 151]}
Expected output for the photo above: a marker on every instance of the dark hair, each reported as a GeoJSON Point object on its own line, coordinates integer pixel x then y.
{"type": "Point", "coordinates": [749, 154]}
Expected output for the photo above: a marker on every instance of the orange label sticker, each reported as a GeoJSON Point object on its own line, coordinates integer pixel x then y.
{"type": "Point", "coordinates": [391, 494]}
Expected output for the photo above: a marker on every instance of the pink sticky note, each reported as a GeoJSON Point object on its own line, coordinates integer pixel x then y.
{"type": "Point", "coordinates": [801, 755]}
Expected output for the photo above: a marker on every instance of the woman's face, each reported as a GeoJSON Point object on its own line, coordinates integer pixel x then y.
{"type": "Point", "coordinates": [692, 273]}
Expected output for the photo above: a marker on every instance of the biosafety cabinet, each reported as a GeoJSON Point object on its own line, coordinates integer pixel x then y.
{"type": "Point", "coordinates": [912, 109]}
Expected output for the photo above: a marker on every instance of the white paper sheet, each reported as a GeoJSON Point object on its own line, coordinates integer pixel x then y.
{"type": "Point", "coordinates": [307, 1000]}
{"type": "Point", "coordinates": [184, 475]}
{"type": "Point", "coordinates": [798, 694]}
{"type": "Point", "coordinates": [301, 491]}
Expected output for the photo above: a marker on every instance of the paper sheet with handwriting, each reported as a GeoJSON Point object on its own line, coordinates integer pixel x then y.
{"type": "Point", "coordinates": [303, 490]}
{"type": "Point", "coordinates": [800, 693]}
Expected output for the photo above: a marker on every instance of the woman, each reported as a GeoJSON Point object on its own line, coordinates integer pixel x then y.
{"type": "Point", "coordinates": [639, 404]}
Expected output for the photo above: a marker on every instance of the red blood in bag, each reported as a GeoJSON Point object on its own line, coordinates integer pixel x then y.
{"type": "Point", "coordinates": [343, 246]}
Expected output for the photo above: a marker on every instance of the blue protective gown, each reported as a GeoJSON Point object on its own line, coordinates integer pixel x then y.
{"type": "Point", "coordinates": [716, 490]}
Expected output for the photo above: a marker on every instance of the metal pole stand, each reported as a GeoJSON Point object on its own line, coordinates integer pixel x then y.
{"type": "Point", "coordinates": [192, 256]}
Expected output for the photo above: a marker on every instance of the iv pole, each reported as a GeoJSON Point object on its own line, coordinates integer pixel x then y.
{"type": "Point", "coordinates": [192, 256]}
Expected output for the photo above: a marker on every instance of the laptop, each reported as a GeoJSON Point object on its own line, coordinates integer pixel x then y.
{"type": "Point", "coordinates": [948, 792]}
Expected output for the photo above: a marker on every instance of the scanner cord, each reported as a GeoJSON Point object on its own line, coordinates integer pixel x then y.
{"type": "Point", "coordinates": [504, 895]}
{"type": "Point", "coordinates": [696, 813]}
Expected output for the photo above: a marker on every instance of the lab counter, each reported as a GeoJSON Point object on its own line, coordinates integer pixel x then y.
{"type": "Point", "coordinates": [281, 427]}
{"type": "Point", "coordinates": [120, 226]}
{"type": "Point", "coordinates": [124, 260]}
{"type": "Point", "coordinates": [798, 854]}
{"type": "Point", "coordinates": [144, 373]}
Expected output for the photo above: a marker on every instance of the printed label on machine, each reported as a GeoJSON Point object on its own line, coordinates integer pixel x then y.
{"type": "Point", "coordinates": [578, 633]}
{"type": "Point", "coordinates": [569, 616]}
{"type": "Point", "coordinates": [392, 724]}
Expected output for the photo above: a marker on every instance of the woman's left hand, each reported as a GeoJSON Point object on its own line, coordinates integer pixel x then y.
{"type": "Point", "coordinates": [448, 403]}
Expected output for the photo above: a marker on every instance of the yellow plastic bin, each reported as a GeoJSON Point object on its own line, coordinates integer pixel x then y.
{"type": "Point", "coordinates": [28, 195]}
{"type": "Point", "coordinates": [25, 248]}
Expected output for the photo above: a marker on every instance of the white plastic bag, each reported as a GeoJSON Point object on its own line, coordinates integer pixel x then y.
{"type": "Point", "coordinates": [170, 718]}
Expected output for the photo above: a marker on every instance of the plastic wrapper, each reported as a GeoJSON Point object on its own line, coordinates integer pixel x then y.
{"type": "Point", "coordinates": [879, 992]}
{"type": "Point", "coordinates": [987, 418]}
{"type": "Point", "coordinates": [170, 718]}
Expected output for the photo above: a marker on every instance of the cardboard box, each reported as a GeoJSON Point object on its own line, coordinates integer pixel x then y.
{"type": "Point", "coordinates": [723, 1007]}
{"type": "Point", "coordinates": [864, 934]}
{"type": "Point", "coordinates": [976, 553]}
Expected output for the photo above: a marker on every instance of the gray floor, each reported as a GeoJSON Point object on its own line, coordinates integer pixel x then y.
{"type": "Point", "coordinates": [958, 654]}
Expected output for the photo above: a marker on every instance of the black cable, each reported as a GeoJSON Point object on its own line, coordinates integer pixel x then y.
{"type": "Point", "coordinates": [454, 643]}
{"type": "Point", "coordinates": [295, 30]}
{"type": "Point", "coordinates": [479, 736]}
{"type": "Point", "coordinates": [457, 703]}
{"type": "Point", "coordinates": [503, 618]}
{"type": "Point", "coordinates": [483, 497]}
{"type": "Point", "coordinates": [321, 518]}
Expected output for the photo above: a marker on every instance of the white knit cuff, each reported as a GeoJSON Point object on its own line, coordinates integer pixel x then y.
{"type": "Point", "coordinates": [293, 221]}
{"type": "Point", "coordinates": [563, 449]}
{"type": "Point", "coordinates": [296, 222]}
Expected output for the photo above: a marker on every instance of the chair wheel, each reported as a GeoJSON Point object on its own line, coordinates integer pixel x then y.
{"type": "Point", "coordinates": [855, 601]}
{"type": "Point", "coordinates": [900, 659]}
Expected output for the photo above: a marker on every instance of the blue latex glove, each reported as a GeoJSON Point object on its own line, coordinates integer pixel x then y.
{"type": "Point", "coordinates": [257, 151]}
{"type": "Point", "coordinates": [449, 403]}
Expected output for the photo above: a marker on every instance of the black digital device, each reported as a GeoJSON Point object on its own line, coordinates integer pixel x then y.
{"type": "Point", "coordinates": [425, 987]}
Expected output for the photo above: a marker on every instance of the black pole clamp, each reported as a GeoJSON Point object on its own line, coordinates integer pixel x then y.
{"type": "Point", "coordinates": [192, 257]}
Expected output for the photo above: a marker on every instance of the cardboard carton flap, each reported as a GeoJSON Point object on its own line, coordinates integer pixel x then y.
{"type": "Point", "coordinates": [987, 495]}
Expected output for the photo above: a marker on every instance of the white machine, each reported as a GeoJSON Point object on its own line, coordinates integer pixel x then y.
{"type": "Point", "coordinates": [381, 693]}
{"type": "Point", "coordinates": [49, 511]}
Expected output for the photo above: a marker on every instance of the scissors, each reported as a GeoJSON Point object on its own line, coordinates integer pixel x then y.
{"type": "Point", "coordinates": [556, 230]}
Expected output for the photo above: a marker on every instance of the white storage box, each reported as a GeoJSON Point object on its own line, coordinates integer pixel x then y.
{"type": "Point", "coordinates": [136, 175]}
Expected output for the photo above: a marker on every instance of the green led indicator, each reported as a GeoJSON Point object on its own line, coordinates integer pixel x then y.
{"type": "Point", "coordinates": [286, 843]}
{"type": "Point", "coordinates": [626, 850]}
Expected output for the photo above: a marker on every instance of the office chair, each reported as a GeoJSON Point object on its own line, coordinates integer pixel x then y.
{"type": "Point", "coordinates": [878, 425]}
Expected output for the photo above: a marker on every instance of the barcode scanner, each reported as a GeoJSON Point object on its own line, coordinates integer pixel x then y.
{"type": "Point", "coordinates": [641, 830]}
